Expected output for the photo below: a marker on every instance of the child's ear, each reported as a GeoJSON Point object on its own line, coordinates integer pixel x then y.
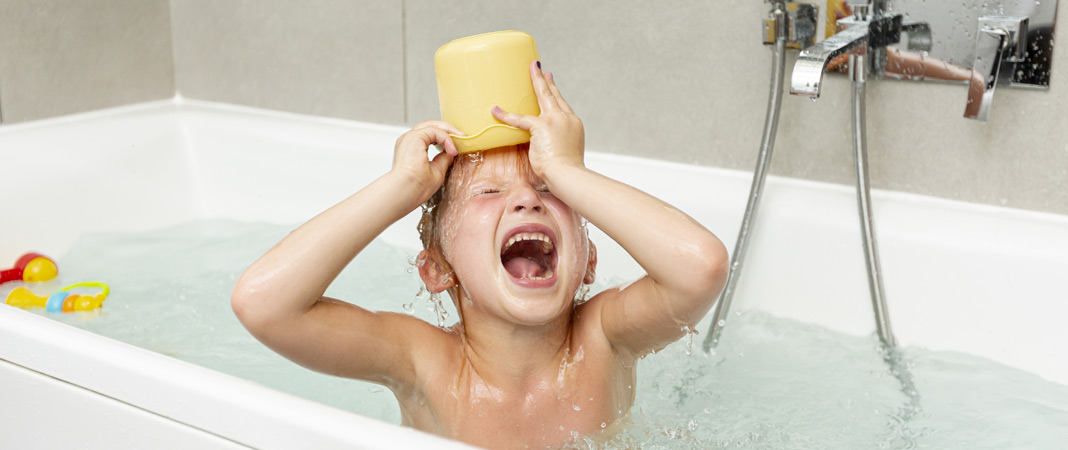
{"type": "Point", "coordinates": [591, 265]}
{"type": "Point", "coordinates": [435, 272]}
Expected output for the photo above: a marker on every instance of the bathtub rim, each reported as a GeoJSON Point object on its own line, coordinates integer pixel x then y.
{"type": "Point", "coordinates": [240, 407]}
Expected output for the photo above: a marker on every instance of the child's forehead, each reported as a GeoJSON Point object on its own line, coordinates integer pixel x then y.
{"type": "Point", "coordinates": [502, 165]}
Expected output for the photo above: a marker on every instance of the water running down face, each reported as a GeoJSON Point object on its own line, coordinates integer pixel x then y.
{"type": "Point", "coordinates": [515, 250]}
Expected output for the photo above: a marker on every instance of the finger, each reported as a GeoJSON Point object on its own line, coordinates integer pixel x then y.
{"type": "Point", "coordinates": [442, 161]}
{"type": "Point", "coordinates": [521, 121]}
{"type": "Point", "coordinates": [433, 135]}
{"type": "Point", "coordinates": [546, 100]}
{"type": "Point", "coordinates": [564, 106]}
{"type": "Point", "coordinates": [442, 137]}
{"type": "Point", "coordinates": [448, 127]}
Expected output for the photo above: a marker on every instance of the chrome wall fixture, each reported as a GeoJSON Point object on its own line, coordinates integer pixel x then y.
{"type": "Point", "coordinates": [921, 40]}
{"type": "Point", "coordinates": [979, 43]}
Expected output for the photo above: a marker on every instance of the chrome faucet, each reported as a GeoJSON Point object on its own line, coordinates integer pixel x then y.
{"type": "Point", "coordinates": [867, 33]}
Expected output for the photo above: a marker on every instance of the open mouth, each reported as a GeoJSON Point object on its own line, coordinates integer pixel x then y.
{"type": "Point", "coordinates": [529, 254]}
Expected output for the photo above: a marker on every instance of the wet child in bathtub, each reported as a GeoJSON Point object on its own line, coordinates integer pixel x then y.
{"type": "Point", "coordinates": [504, 236]}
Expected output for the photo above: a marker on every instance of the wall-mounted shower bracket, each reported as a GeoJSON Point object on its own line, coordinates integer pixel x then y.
{"type": "Point", "coordinates": [800, 22]}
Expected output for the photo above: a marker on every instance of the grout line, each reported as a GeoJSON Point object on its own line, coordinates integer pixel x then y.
{"type": "Point", "coordinates": [174, 47]}
{"type": "Point", "coordinates": [404, 58]}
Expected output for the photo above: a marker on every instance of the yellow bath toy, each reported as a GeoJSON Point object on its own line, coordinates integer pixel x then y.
{"type": "Point", "coordinates": [479, 72]}
{"type": "Point", "coordinates": [62, 300]}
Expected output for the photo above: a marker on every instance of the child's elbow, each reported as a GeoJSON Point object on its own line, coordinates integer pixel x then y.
{"type": "Point", "coordinates": [710, 269]}
{"type": "Point", "coordinates": [243, 301]}
{"type": "Point", "coordinates": [240, 302]}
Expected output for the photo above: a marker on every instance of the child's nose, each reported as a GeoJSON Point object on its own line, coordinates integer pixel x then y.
{"type": "Point", "coordinates": [526, 198]}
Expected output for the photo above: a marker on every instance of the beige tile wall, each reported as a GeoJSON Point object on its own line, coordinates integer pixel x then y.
{"type": "Point", "coordinates": [337, 58]}
{"type": "Point", "coordinates": [65, 56]}
{"type": "Point", "coordinates": [684, 81]}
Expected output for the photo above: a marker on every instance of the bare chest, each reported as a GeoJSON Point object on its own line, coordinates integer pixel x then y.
{"type": "Point", "coordinates": [585, 397]}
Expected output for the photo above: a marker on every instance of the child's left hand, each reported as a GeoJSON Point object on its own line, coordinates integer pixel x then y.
{"type": "Point", "coordinates": [556, 136]}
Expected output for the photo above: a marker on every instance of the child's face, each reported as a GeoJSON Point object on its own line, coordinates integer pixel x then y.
{"type": "Point", "coordinates": [518, 252]}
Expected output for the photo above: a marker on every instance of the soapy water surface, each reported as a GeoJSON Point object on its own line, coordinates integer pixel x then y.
{"type": "Point", "coordinates": [772, 383]}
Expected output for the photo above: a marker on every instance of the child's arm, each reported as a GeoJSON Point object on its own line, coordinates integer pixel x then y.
{"type": "Point", "coordinates": [279, 298]}
{"type": "Point", "coordinates": [686, 264]}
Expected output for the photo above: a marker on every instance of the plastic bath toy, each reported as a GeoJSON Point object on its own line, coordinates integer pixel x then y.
{"type": "Point", "coordinates": [62, 300]}
{"type": "Point", "coordinates": [479, 72]}
{"type": "Point", "coordinates": [31, 268]}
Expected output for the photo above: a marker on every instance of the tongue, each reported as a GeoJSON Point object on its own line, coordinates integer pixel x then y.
{"type": "Point", "coordinates": [523, 268]}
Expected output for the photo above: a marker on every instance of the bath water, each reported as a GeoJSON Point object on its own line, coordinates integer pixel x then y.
{"type": "Point", "coordinates": [772, 383]}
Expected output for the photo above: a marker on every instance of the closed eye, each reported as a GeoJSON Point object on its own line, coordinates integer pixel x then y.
{"type": "Point", "coordinates": [489, 191]}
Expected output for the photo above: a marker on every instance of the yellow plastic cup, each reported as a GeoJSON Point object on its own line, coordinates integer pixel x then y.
{"type": "Point", "coordinates": [479, 72]}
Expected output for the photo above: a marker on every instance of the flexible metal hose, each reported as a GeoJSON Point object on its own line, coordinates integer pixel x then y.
{"type": "Point", "coordinates": [771, 125]}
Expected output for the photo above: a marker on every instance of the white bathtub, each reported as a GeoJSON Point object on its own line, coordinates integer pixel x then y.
{"type": "Point", "coordinates": [976, 279]}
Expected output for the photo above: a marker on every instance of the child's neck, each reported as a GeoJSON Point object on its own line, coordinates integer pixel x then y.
{"type": "Point", "coordinates": [513, 357]}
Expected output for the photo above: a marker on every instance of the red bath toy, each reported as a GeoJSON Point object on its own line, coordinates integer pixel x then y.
{"type": "Point", "coordinates": [31, 268]}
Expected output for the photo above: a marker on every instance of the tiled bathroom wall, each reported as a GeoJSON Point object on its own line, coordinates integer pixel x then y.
{"type": "Point", "coordinates": [60, 57]}
{"type": "Point", "coordinates": [684, 81]}
{"type": "Point", "coordinates": [337, 58]}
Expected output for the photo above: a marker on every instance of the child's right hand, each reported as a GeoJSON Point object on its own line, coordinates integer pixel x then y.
{"type": "Point", "coordinates": [557, 137]}
{"type": "Point", "coordinates": [411, 160]}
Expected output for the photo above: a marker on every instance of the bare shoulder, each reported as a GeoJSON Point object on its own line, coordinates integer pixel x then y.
{"type": "Point", "coordinates": [589, 322]}
{"type": "Point", "coordinates": [434, 349]}
{"type": "Point", "coordinates": [634, 318]}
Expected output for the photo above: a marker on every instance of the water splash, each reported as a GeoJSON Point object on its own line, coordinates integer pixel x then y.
{"type": "Point", "coordinates": [689, 333]}
{"type": "Point", "coordinates": [474, 157]}
{"type": "Point", "coordinates": [435, 305]}
{"type": "Point", "coordinates": [582, 295]}
{"type": "Point", "coordinates": [409, 308]}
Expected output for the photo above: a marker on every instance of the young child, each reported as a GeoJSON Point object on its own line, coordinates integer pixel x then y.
{"type": "Point", "coordinates": [527, 363]}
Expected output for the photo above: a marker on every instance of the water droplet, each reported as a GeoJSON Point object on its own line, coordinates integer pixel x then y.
{"type": "Point", "coordinates": [689, 340]}
{"type": "Point", "coordinates": [576, 407]}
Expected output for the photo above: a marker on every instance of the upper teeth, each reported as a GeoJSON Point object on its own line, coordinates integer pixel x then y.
{"type": "Point", "coordinates": [546, 244]}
